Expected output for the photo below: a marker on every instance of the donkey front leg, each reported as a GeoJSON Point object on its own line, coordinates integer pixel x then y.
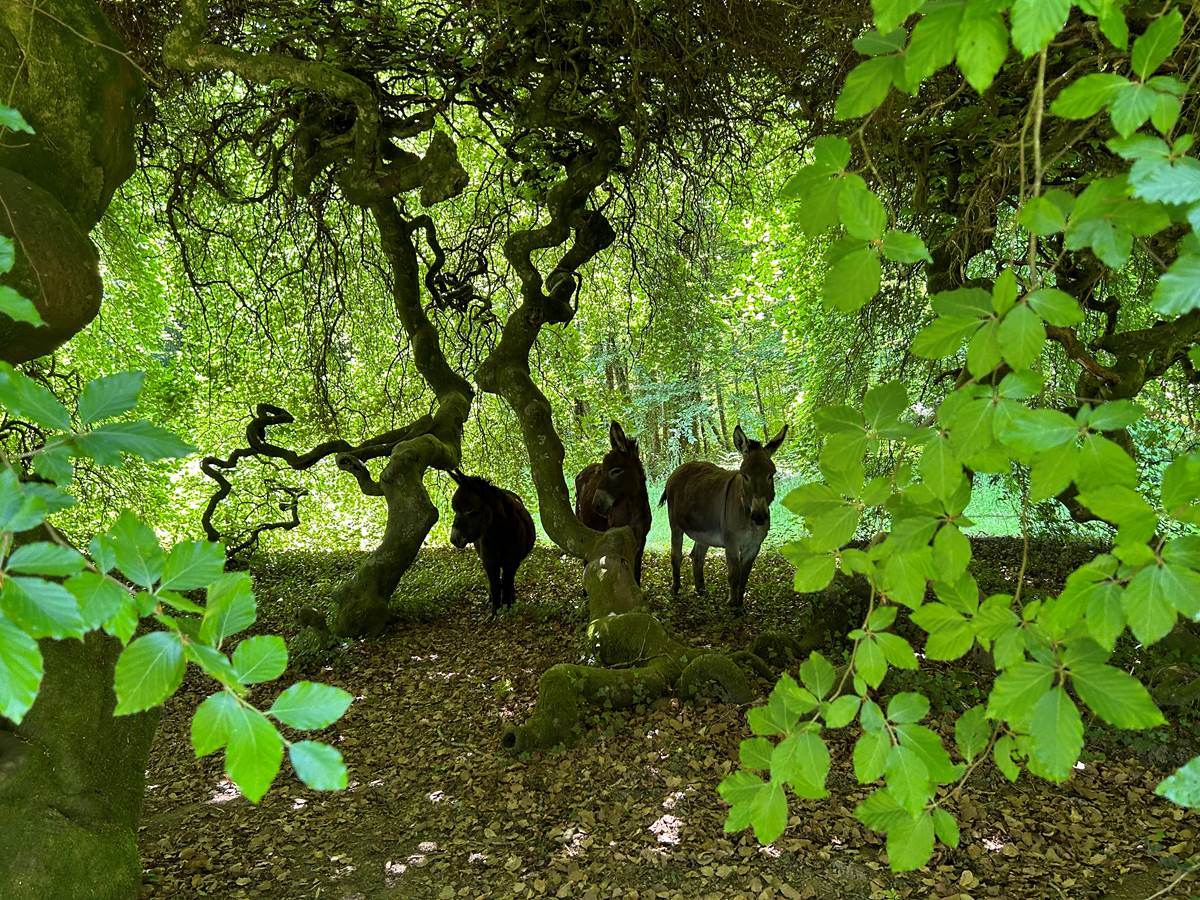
{"type": "Point", "coordinates": [676, 558]}
{"type": "Point", "coordinates": [734, 564]}
{"type": "Point", "coordinates": [698, 551]}
{"type": "Point", "coordinates": [739, 605]}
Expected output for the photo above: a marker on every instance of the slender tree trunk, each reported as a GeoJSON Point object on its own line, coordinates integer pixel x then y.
{"type": "Point", "coordinates": [725, 445]}
{"type": "Point", "coordinates": [758, 395]}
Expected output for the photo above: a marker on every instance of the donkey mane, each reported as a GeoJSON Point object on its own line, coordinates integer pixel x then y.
{"type": "Point", "coordinates": [479, 484]}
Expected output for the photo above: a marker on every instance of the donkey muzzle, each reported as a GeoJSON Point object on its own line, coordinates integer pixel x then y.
{"type": "Point", "coordinates": [602, 502]}
{"type": "Point", "coordinates": [457, 538]}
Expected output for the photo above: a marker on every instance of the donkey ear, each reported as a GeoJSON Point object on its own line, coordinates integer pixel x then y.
{"type": "Point", "coordinates": [773, 444]}
{"type": "Point", "coordinates": [740, 442]}
{"type": "Point", "coordinates": [616, 437]}
{"type": "Point", "coordinates": [457, 475]}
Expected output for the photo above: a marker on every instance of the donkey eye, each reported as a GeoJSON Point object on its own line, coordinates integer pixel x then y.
{"type": "Point", "coordinates": [615, 472]}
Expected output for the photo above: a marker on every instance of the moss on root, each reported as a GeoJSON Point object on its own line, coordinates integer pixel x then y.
{"type": "Point", "coordinates": [638, 660]}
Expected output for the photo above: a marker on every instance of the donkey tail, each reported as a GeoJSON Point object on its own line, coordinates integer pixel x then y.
{"type": "Point", "coordinates": [663, 498]}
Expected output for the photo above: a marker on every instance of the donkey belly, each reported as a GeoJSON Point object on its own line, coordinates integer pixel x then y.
{"type": "Point", "coordinates": [708, 536]}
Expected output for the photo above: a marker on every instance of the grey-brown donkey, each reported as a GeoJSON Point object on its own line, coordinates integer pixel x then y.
{"type": "Point", "coordinates": [717, 507]}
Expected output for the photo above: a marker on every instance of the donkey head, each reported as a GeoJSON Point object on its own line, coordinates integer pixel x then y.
{"type": "Point", "coordinates": [621, 474]}
{"type": "Point", "coordinates": [757, 472]}
{"type": "Point", "coordinates": [472, 509]}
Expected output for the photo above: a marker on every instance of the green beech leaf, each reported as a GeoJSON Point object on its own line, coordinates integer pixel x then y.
{"type": "Point", "coordinates": [110, 396]}
{"type": "Point", "coordinates": [253, 753]}
{"type": "Point", "coordinates": [982, 44]}
{"type": "Point", "coordinates": [136, 550]}
{"type": "Point", "coordinates": [890, 14]}
{"type": "Point", "coordinates": [853, 280]}
{"type": "Point", "coordinates": [908, 778]}
{"type": "Point", "coordinates": [309, 706]}
{"type": "Point", "coordinates": [98, 597]}
{"type": "Point", "coordinates": [870, 756]}
{"type": "Point", "coordinates": [148, 671]}
{"type": "Point", "coordinates": [149, 442]}
{"type": "Point", "coordinates": [802, 760]}
{"type": "Point", "coordinates": [192, 564]}
{"type": "Point", "coordinates": [1021, 337]}
{"type": "Point", "coordinates": [945, 827]}
{"type": "Point", "coordinates": [1101, 462]}
{"type": "Point", "coordinates": [971, 732]}
{"type": "Point", "coordinates": [1115, 696]}
{"type": "Point", "coordinates": [1147, 604]}
{"type": "Point", "coordinates": [13, 120]}
{"type": "Point", "coordinates": [213, 722]}
{"type": "Point", "coordinates": [1056, 307]}
{"type": "Point", "coordinates": [1040, 216]}
{"type": "Point", "coordinates": [814, 571]}
{"type": "Point", "coordinates": [1056, 730]}
{"type": "Point", "coordinates": [933, 42]}
{"type": "Point", "coordinates": [1017, 688]}
{"type": "Point", "coordinates": [18, 307]}
{"type": "Point", "coordinates": [755, 753]}
{"type": "Point", "coordinates": [866, 86]}
{"type": "Point", "coordinates": [943, 336]}
{"type": "Point", "coordinates": [862, 213]}
{"type": "Point", "coordinates": [20, 671]}
{"type": "Point", "coordinates": [841, 712]}
{"type": "Point", "coordinates": [1131, 107]}
{"type": "Point", "coordinates": [213, 662]}
{"type": "Point", "coordinates": [1183, 786]}
{"type": "Point", "coordinates": [1036, 22]}
{"type": "Point", "coordinates": [1157, 43]}
{"type": "Point", "coordinates": [260, 658]}
{"type": "Point", "coordinates": [907, 707]}
{"type": "Point", "coordinates": [318, 765]}
{"type": "Point", "coordinates": [896, 650]}
{"type": "Point", "coordinates": [26, 399]}
{"type": "Point", "coordinates": [817, 674]}
{"type": "Point", "coordinates": [902, 247]}
{"type": "Point", "coordinates": [1086, 96]}
{"type": "Point", "coordinates": [768, 813]}
{"type": "Point", "coordinates": [44, 558]}
{"type": "Point", "coordinates": [1178, 290]}
{"type": "Point", "coordinates": [1114, 415]}
{"type": "Point", "coordinates": [43, 608]}
{"type": "Point", "coordinates": [229, 608]}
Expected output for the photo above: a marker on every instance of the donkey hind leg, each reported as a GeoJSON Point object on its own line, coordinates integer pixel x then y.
{"type": "Point", "coordinates": [508, 591]}
{"type": "Point", "coordinates": [698, 552]}
{"type": "Point", "coordinates": [676, 557]}
{"type": "Point", "coordinates": [495, 585]}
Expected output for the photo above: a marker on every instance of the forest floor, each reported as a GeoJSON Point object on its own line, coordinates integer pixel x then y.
{"type": "Point", "coordinates": [435, 810]}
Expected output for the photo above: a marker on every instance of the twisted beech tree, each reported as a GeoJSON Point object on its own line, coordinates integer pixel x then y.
{"type": "Point", "coordinates": [577, 98]}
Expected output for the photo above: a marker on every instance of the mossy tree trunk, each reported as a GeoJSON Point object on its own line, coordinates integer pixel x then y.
{"type": "Point", "coordinates": [634, 658]}
{"type": "Point", "coordinates": [71, 774]}
{"type": "Point", "coordinates": [370, 172]}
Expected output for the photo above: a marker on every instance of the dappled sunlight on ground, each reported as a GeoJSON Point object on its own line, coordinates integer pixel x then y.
{"type": "Point", "coordinates": [437, 811]}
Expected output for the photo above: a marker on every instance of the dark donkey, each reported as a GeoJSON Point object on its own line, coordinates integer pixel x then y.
{"type": "Point", "coordinates": [500, 527]}
{"type": "Point", "coordinates": [719, 508]}
{"type": "Point", "coordinates": [612, 493]}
